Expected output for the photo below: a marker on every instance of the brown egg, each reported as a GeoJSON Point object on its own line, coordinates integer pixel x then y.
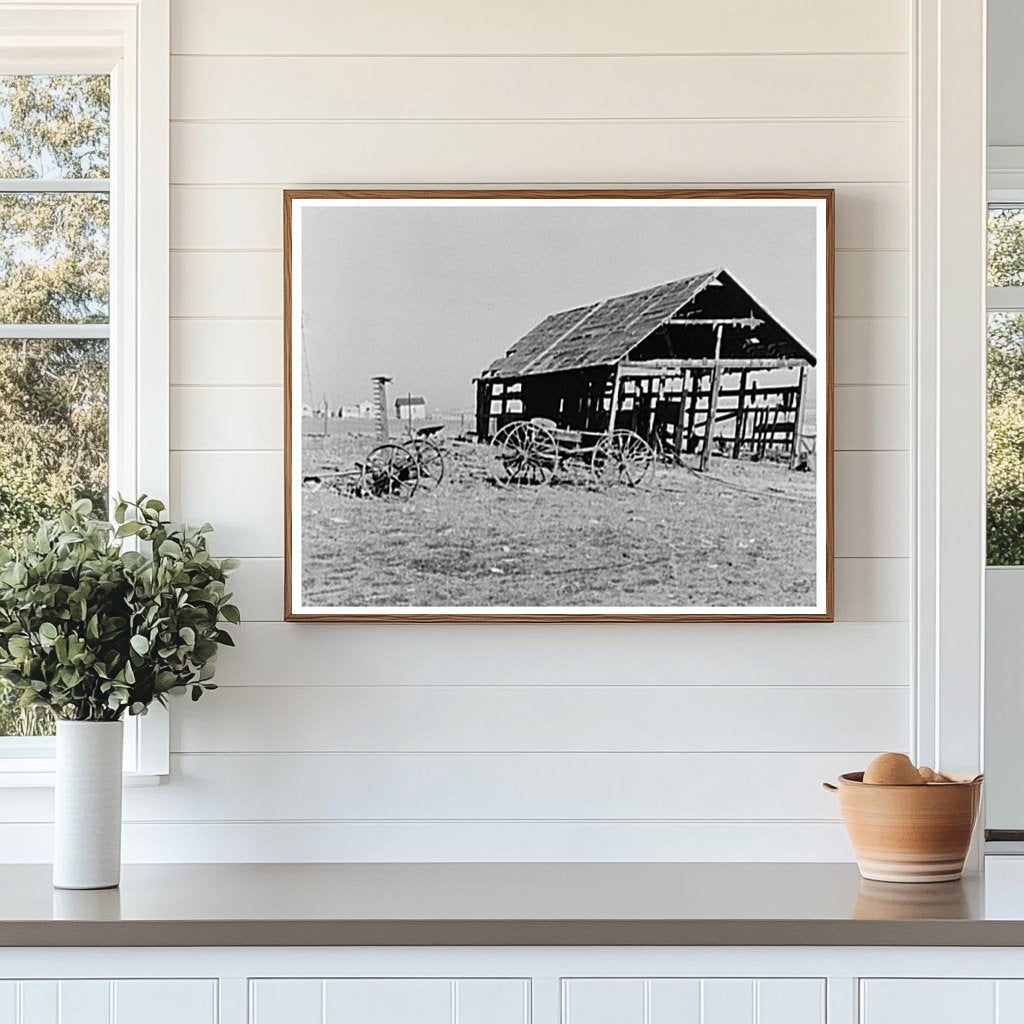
{"type": "Point", "coordinates": [893, 770]}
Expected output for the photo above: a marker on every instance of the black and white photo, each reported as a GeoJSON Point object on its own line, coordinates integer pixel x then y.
{"type": "Point", "coordinates": [559, 405]}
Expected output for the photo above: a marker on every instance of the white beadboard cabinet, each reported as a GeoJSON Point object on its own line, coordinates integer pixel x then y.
{"type": "Point", "coordinates": [513, 985]}
{"type": "Point", "coordinates": [103, 1001]}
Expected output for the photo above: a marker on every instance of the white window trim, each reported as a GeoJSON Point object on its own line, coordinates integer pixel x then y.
{"type": "Point", "coordinates": [131, 41]}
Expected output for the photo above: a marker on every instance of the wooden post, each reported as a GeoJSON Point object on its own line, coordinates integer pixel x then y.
{"type": "Point", "coordinates": [615, 401]}
{"type": "Point", "coordinates": [681, 415]}
{"type": "Point", "coordinates": [798, 419]}
{"type": "Point", "coordinates": [691, 420]}
{"type": "Point", "coordinates": [741, 416]}
{"type": "Point", "coordinates": [709, 429]}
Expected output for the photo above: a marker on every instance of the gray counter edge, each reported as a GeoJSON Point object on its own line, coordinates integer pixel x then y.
{"type": "Point", "coordinates": [510, 933]}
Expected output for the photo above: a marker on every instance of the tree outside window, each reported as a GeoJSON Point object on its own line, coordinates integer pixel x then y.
{"type": "Point", "coordinates": [54, 307]}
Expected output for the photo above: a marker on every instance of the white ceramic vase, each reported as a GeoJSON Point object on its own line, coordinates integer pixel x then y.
{"type": "Point", "coordinates": [87, 806]}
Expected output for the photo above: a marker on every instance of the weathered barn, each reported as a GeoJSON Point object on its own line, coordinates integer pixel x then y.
{"type": "Point", "coordinates": [691, 365]}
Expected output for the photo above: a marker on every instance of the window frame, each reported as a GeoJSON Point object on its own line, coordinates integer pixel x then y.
{"type": "Point", "coordinates": [130, 41]}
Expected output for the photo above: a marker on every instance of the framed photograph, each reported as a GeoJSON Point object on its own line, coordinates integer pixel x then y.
{"type": "Point", "coordinates": [558, 405]}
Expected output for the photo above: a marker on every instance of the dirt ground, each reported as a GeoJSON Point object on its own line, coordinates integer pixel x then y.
{"type": "Point", "coordinates": [741, 534]}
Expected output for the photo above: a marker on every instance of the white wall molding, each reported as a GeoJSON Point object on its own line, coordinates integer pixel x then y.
{"type": "Point", "coordinates": [950, 442]}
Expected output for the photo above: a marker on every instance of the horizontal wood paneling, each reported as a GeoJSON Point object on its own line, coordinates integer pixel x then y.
{"type": "Point", "coordinates": [783, 93]}
{"type": "Point", "coordinates": [872, 502]}
{"type": "Point", "coordinates": [242, 493]}
{"type": "Point", "coordinates": [461, 787]}
{"type": "Point", "coordinates": [535, 26]}
{"type": "Point", "coordinates": [555, 718]}
{"type": "Point", "coordinates": [868, 216]}
{"type": "Point", "coordinates": [539, 88]}
{"type": "Point", "coordinates": [236, 418]}
{"type": "Point", "coordinates": [329, 841]}
{"type": "Point", "coordinates": [234, 284]}
{"type": "Point", "coordinates": [867, 589]}
{"type": "Point", "coordinates": [866, 418]}
{"type": "Point", "coordinates": [575, 654]}
{"type": "Point", "coordinates": [566, 151]}
{"type": "Point", "coordinates": [212, 418]}
{"type": "Point", "coordinates": [227, 352]}
{"type": "Point", "coordinates": [458, 787]}
{"type": "Point", "coordinates": [871, 350]}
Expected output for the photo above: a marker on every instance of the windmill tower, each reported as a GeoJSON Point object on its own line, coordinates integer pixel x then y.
{"type": "Point", "coordinates": [380, 397]}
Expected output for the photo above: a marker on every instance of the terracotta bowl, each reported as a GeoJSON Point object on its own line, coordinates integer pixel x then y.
{"type": "Point", "coordinates": [909, 833]}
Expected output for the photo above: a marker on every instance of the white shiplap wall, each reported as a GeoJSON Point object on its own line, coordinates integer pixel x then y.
{"type": "Point", "coordinates": [691, 741]}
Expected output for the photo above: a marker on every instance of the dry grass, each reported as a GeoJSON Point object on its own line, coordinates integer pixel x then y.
{"type": "Point", "coordinates": [743, 534]}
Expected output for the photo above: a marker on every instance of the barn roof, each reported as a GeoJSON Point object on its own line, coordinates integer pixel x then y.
{"type": "Point", "coordinates": [411, 400]}
{"type": "Point", "coordinates": [605, 332]}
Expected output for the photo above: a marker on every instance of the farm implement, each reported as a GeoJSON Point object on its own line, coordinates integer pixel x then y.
{"type": "Point", "coordinates": [396, 470]}
{"type": "Point", "coordinates": [536, 451]}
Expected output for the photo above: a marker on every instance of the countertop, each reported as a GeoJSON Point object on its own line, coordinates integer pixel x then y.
{"type": "Point", "coordinates": [510, 904]}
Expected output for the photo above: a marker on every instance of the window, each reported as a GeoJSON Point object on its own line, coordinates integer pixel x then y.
{"type": "Point", "coordinates": [1005, 477]}
{"type": "Point", "coordinates": [84, 126]}
{"type": "Point", "coordinates": [54, 308]}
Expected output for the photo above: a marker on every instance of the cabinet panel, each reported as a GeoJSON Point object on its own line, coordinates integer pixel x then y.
{"type": "Point", "coordinates": [790, 1001]}
{"type": "Point", "coordinates": [929, 1001]}
{"type": "Point", "coordinates": [693, 1001]}
{"type": "Point", "coordinates": [674, 1000]}
{"type": "Point", "coordinates": [165, 1002]}
{"type": "Point", "coordinates": [84, 1002]}
{"type": "Point", "coordinates": [38, 1002]}
{"type": "Point", "coordinates": [388, 1001]}
{"type": "Point", "coordinates": [603, 1001]}
{"type": "Point", "coordinates": [285, 1001]}
{"type": "Point", "coordinates": [8, 1002]}
{"type": "Point", "coordinates": [492, 1002]}
{"type": "Point", "coordinates": [727, 1001]}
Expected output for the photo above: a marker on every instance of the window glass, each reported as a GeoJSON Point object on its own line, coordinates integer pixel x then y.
{"type": "Point", "coordinates": [54, 275]}
{"type": "Point", "coordinates": [54, 260]}
{"type": "Point", "coordinates": [1005, 482]}
{"type": "Point", "coordinates": [54, 126]}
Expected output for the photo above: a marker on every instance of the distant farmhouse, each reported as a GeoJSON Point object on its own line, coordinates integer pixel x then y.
{"type": "Point", "coordinates": [692, 365]}
{"type": "Point", "coordinates": [411, 407]}
{"type": "Point", "coordinates": [367, 410]}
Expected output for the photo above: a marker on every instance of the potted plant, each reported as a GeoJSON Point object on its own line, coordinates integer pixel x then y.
{"type": "Point", "coordinates": [99, 620]}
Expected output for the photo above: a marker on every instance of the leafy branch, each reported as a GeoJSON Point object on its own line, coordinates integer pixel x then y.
{"type": "Point", "coordinates": [91, 629]}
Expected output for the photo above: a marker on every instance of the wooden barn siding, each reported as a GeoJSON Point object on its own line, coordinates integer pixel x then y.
{"type": "Point", "coordinates": [505, 742]}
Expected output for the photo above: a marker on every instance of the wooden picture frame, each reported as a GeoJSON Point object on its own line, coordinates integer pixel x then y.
{"type": "Point", "coordinates": [602, 364]}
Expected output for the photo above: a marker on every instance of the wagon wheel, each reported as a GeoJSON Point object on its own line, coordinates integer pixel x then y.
{"type": "Point", "coordinates": [429, 461]}
{"type": "Point", "coordinates": [390, 471]}
{"type": "Point", "coordinates": [622, 458]}
{"type": "Point", "coordinates": [527, 454]}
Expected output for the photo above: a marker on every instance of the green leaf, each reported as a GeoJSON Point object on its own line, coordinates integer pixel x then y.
{"type": "Point", "coordinates": [231, 613]}
{"type": "Point", "coordinates": [140, 644]}
{"type": "Point", "coordinates": [49, 631]}
{"type": "Point", "coordinates": [170, 549]}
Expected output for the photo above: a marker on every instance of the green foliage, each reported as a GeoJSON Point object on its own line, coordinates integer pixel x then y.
{"type": "Point", "coordinates": [53, 407]}
{"type": "Point", "coordinates": [1005, 477]}
{"type": "Point", "coordinates": [1006, 482]}
{"type": "Point", "coordinates": [91, 630]}
{"type": "Point", "coordinates": [1005, 247]}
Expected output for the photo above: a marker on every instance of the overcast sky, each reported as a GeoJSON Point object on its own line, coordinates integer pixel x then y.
{"type": "Point", "coordinates": [432, 295]}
